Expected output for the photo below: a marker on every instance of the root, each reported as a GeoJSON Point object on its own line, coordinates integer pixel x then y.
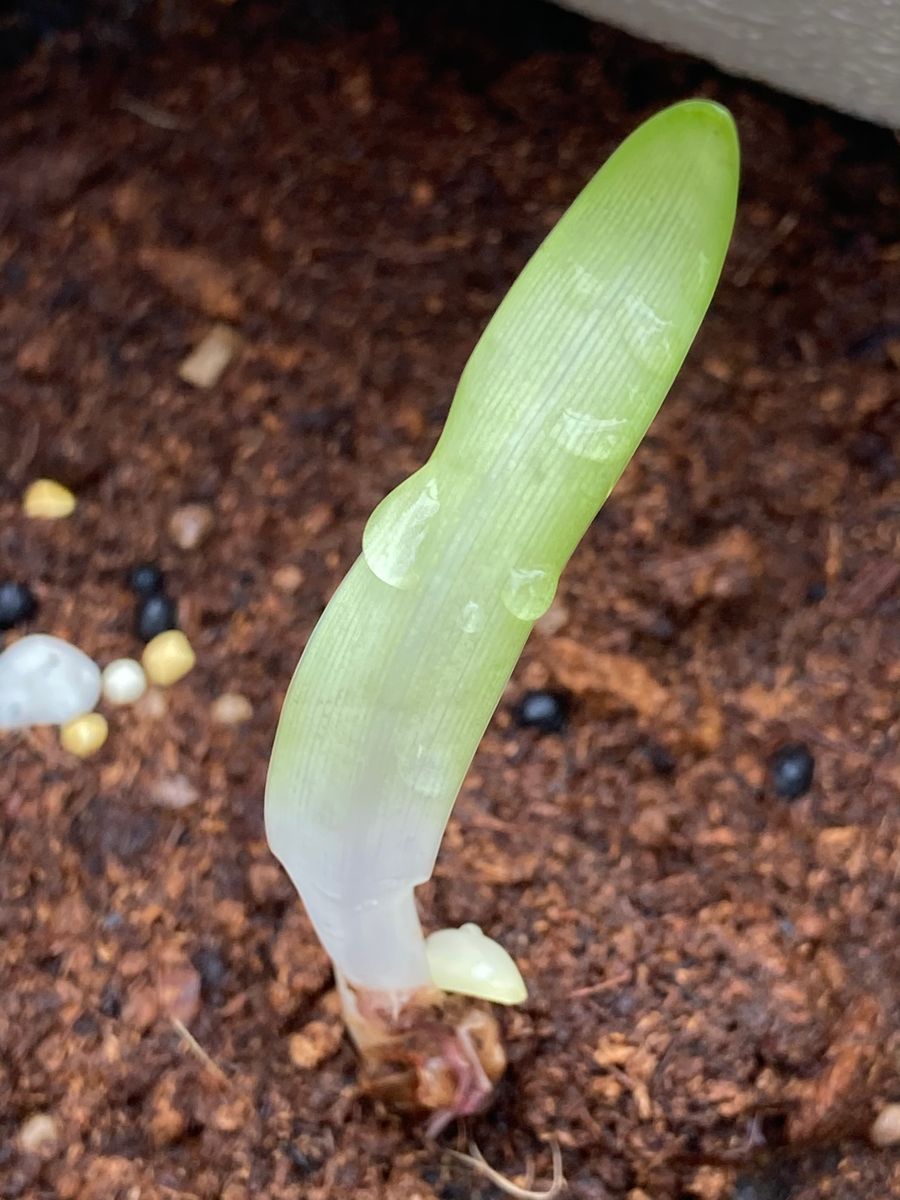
{"type": "Point", "coordinates": [476, 1160]}
{"type": "Point", "coordinates": [198, 1052]}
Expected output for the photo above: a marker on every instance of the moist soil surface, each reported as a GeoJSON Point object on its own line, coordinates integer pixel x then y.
{"type": "Point", "coordinates": [713, 967]}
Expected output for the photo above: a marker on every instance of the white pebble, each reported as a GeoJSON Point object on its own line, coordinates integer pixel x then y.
{"type": "Point", "coordinates": [39, 1135]}
{"type": "Point", "coordinates": [231, 708]}
{"type": "Point", "coordinates": [204, 365]}
{"type": "Point", "coordinates": [123, 681]}
{"type": "Point", "coordinates": [174, 791]}
{"type": "Point", "coordinates": [468, 962]}
{"type": "Point", "coordinates": [190, 525]}
{"type": "Point", "coordinates": [45, 681]}
{"type": "Point", "coordinates": [153, 705]}
{"type": "Point", "coordinates": [885, 1129]}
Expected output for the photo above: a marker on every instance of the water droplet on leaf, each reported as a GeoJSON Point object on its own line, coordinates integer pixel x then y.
{"type": "Point", "coordinates": [395, 532]}
{"type": "Point", "coordinates": [647, 334]}
{"type": "Point", "coordinates": [471, 619]}
{"type": "Point", "coordinates": [529, 592]}
{"type": "Point", "coordinates": [586, 436]}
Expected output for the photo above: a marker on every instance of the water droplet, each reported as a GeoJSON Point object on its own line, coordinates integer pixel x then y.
{"type": "Point", "coordinates": [586, 436]}
{"type": "Point", "coordinates": [393, 537]}
{"type": "Point", "coordinates": [647, 334]}
{"type": "Point", "coordinates": [471, 619]}
{"type": "Point", "coordinates": [529, 592]}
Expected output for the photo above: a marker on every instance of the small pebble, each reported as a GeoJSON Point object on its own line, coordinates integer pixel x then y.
{"type": "Point", "coordinates": [545, 711]}
{"type": "Point", "coordinates": [123, 681]}
{"type": "Point", "coordinates": [155, 614]}
{"type": "Point", "coordinates": [203, 367]}
{"type": "Point", "coordinates": [39, 1135]}
{"type": "Point", "coordinates": [231, 708]}
{"type": "Point", "coordinates": [17, 604]}
{"type": "Point", "coordinates": [85, 735]}
{"type": "Point", "coordinates": [190, 525]}
{"type": "Point", "coordinates": [288, 578]}
{"type": "Point", "coordinates": [168, 657]}
{"type": "Point", "coordinates": [45, 681]}
{"type": "Point", "coordinates": [153, 705]}
{"type": "Point", "coordinates": [174, 791]}
{"type": "Point", "coordinates": [146, 579]}
{"type": "Point", "coordinates": [792, 769]}
{"type": "Point", "coordinates": [48, 499]}
{"type": "Point", "coordinates": [885, 1129]}
{"type": "Point", "coordinates": [319, 518]}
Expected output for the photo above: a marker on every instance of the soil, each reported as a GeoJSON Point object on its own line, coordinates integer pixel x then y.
{"type": "Point", "coordinates": [713, 969]}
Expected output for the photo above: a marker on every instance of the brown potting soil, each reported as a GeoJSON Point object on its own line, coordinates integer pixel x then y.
{"type": "Point", "coordinates": [714, 1006]}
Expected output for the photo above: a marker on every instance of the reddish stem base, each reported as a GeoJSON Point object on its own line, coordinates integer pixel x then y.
{"type": "Point", "coordinates": [426, 1051]}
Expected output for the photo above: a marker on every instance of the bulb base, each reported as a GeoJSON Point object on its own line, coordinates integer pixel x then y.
{"type": "Point", "coordinates": [425, 1051]}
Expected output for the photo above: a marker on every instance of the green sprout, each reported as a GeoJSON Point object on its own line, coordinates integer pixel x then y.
{"type": "Point", "coordinates": [408, 662]}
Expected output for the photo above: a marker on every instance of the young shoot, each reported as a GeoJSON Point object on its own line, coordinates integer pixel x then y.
{"type": "Point", "coordinates": [408, 662]}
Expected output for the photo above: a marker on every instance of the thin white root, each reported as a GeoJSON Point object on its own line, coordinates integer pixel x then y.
{"type": "Point", "coordinates": [151, 115]}
{"type": "Point", "coordinates": [476, 1160]}
{"type": "Point", "coordinates": [197, 1050]}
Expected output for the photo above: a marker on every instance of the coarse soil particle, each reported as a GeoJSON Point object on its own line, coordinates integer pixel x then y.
{"type": "Point", "coordinates": [707, 964]}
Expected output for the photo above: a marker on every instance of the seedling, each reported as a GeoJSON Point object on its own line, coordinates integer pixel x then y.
{"type": "Point", "coordinates": [408, 661]}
